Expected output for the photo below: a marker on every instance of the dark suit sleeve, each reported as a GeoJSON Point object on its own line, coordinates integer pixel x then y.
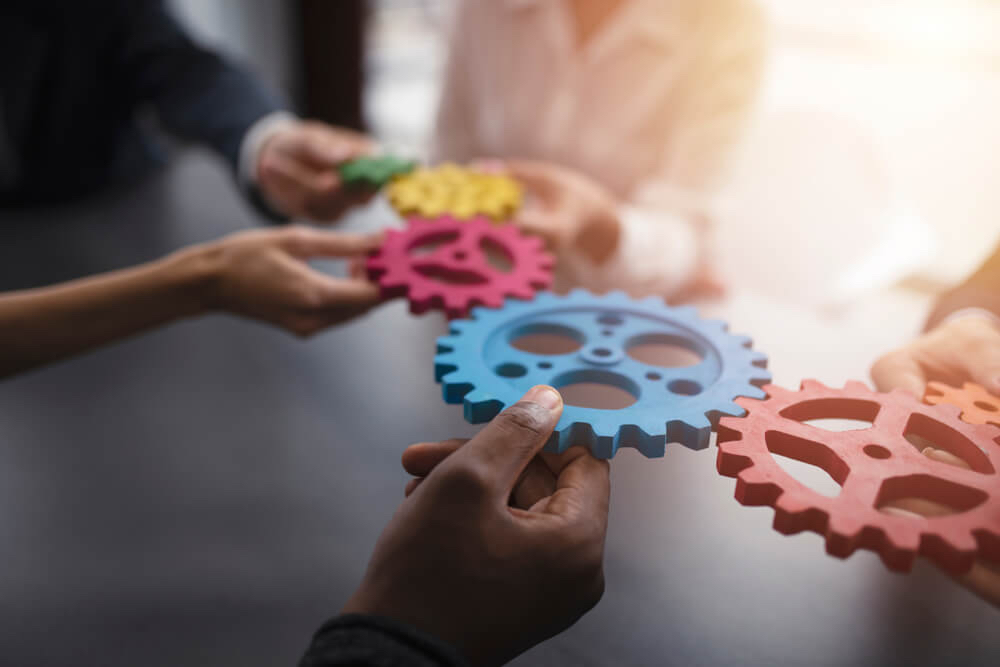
{"type": "Point", "coordinates": [198, 95]}
{"type": "Point", "coordinates": [981, 290]}
{"type": "Point", "coordinates": [368, 641]}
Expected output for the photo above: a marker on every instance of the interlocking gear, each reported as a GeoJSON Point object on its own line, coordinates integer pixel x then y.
{"type": "Point", "coordinates": [374, 171]}
{"type": "Point", "coordinates": [456, 191]}
{"type": "Point", "coordinates": [978, 405]}
{"type": "Point", "coordinates": [479, 366]}
{"type": "Point", "coordinates": [876, 467]}
{"type": "Point", "coordinates": [455, 272]}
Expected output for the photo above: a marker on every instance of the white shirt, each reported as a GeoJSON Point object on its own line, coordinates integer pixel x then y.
{"type": "Point", "coordinates": [650, 107]}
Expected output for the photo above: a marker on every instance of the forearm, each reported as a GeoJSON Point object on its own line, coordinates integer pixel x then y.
{"type": "Point", "coordinates": [39, 326]}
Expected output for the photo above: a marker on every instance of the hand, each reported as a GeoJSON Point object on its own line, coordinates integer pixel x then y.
{"type": "Point", "coordinates": [457, 561]}
{"type": "Point", "coordinates": [297, 170]}
{"type": "Point", "coordinates": [567, 209]}
{"type": "Point", "coordinates": [264, 275]}
{"type": "Point", "coordinates": [965, 349]}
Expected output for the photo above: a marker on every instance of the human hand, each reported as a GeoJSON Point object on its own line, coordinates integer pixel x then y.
{"type": "Point", "coordinates": [566, 208]}
{"type": "Point", "coordinates": [961, 350]}
{"type": "Point", "coordinates": [264, 275]}
{"type": "Point", "coordinates": [460, 562]}
{"type": "Point", "coordinates": [297, 170]}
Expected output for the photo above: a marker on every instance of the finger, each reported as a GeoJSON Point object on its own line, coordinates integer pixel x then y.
{"type": "Point", "coordinates": [304, 242]}
{"type": "Point", "coordinates": [899, 370]}
{"type": "Point", "coordinates": [501, 451]}
{"type": "Point", "coordinates": [420, 459]}
{"type": "Point", "coordinates": [537, 177]}
{"type": "Point", "coordinates": [324, 147]}
{"type": "Point", "coordinates": [942, 456]}
{"type": "Point", "coordinates": [295, 182]}
{"type": "Point", "coordinates": [535, 484]}
{"type": "Point", "coordinates": [583, 486]}
{"type": "Point", "coordinates": [982, 365]}
{"type": "Point", "coordinates": [412, 485]}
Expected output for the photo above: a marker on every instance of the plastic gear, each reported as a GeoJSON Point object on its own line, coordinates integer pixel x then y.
{"type": "Point", "coordinates": [479, 366]}
{"type": "Point", "coordinates": [875, 466]}
{"type": "Point", "coordinates": [456, 274]}
{"type": "Point", "coordinates": [457, 191]}
{"type": "Point", "coordinates": [978, 405]}
{"type": "Point", "coordinates": [374, 171]}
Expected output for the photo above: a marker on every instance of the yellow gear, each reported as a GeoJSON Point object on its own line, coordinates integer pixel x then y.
{"type": "Point", "coordinates": [430, 192]}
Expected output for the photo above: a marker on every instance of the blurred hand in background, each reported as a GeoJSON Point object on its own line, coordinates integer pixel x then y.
{"type": "Point", "coordinates": [297, 170]}
{"type": "Point", "coordinates": [957, 351]}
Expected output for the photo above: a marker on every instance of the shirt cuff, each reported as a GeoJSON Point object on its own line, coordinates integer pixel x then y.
{"type": "Point", "coordinates": [355, 640]}
{"type": "Point", "coordinates": [254, 140]}
{"type": "Point", "coordinates": [249, 159]}
{"type": "Point", "coordinates": [657, 254]}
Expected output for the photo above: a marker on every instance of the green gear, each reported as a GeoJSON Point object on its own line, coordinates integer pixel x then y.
{"type": "Point", "coordinates": [374, 171]}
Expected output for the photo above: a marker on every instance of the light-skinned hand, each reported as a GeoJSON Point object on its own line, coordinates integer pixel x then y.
{"type": "Point", "coordinates": [966, 349]}
{"type": "Point", "coordinates": [497, 547]}
{"type": "Point", "coordinates": [297, 170]}
{"type": "Point", "coordinates": [566, 208]}
{"type": "Point", "coordinates": [264, 275]}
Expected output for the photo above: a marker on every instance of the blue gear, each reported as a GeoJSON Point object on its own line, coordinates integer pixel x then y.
{"type": "Point", "coordinates": [478, 366]}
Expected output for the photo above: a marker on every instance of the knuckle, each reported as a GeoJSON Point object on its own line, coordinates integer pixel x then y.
{"type": "Point", "coordinates": [467, 480]}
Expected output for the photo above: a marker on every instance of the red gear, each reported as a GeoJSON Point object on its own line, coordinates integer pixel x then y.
{"type": "Point", "coordinates": [456, 275]}
{"type": "Point", "coordinates": [874, 466]}
{"type": "Point", "coordinates": [978, 405]}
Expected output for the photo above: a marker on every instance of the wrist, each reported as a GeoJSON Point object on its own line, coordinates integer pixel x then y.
{"type": "Point", "coordinates": [193, 276]}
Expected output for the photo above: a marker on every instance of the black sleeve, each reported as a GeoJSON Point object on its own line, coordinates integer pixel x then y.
{"type": "Point", "coordinates": [369, 641]}
{"type": "Point", "coordinates": [981, 290]}
{"type": "Point", "coordinates": [198, 95]}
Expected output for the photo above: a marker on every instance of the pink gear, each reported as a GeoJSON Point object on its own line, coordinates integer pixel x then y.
{"type": "Point", "coordinates": [456, 274]}
{"type": "Point", "coordinates": [876, 467]}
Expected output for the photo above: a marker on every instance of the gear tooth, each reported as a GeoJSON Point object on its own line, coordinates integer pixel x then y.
{"type": "Point", "coordinates": [454, 389]}
{"type": "Point", "coordinates": [856, 386]}
{"type": "Point", "coordinates": [687, 312]}
{"type": "Point", "coordinates": [693, 435]}
{"type": "Point", "coordinates": [576, 295]}
{"type": "Point", "coordinates": [743, 341]}
{"type": "Point", "coordinates": [842, 535]}
{"type": "Point", "coordinates": [577, 433]}
{"type": "Point", "coordinates": [617, 296]}
{"type": "Point", "coordinates": [653, 302]}
{"type": "Point", "coordinates": [753, 392]}
{"type": "Point", "coordinates": [812, 385]}
{"type": "Point", "coordinates": [480, 408]}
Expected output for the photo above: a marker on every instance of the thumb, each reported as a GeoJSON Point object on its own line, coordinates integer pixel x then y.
{"type": "Point", "coordinates": [503, 449]}
{"type": "Point", "coordinates": [899, 370]}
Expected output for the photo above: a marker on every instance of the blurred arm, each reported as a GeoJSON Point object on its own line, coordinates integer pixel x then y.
{"type": "Point", "coordinates": [42, 325]}
{"type": "Point", "coordinates": [980, 292]}
{"type": "Point", "coordinates": [197, 94]}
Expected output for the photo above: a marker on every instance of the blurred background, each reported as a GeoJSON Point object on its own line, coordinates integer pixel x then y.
{"type": "Point", "coordinates": [871, 156]}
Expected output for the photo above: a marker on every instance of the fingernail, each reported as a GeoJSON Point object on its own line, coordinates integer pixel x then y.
{"type": "Point", "coordinates": [545, 396]}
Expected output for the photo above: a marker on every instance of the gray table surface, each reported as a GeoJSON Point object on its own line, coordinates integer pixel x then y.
{"type": "Point", "coordinates": [209, 493]}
